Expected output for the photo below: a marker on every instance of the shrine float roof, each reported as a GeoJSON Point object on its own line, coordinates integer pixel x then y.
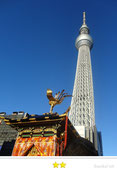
{"type": "Point", "coordinates": [33, 119]}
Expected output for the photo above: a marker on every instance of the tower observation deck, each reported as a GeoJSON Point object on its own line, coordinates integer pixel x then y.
{"type": "Point", "coordinates": [82, 114]}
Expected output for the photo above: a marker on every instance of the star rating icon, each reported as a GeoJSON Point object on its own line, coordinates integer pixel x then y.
{"type": "Point", "coordinates": [55, 165]}
{"type": "Point", "coordinates": [63, 165]}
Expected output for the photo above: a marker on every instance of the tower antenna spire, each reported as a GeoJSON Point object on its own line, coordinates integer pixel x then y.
{"type": "Point", "coordinates": [84, 19]}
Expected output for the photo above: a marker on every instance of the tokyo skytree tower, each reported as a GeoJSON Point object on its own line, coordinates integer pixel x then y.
{"type": "Point", "coordinates": [82, 113]}
{"type": "Point", "coordinates": [82, 104]}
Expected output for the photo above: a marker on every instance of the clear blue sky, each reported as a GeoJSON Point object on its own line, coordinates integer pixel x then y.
{"type": "Point", "coordinates": [37, 52]}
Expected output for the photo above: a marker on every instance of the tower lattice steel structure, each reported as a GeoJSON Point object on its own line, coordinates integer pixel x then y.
{"type": "Point", "coordinates": [82, 104]}
{"type": "Point", "coordinates": [82, 114]}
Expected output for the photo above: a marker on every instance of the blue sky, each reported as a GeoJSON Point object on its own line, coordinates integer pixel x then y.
{"type": "Point", "coordinates": [37, 51]}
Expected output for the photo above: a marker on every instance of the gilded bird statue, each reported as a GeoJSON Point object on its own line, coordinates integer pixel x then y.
{"type": "Point", "coordinates": [59, 97]}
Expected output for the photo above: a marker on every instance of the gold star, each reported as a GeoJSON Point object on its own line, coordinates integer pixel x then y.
{"type": "Point", "coordinates": [63, 165]}
{"type": "Point", "coordinates": [55, 165]}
